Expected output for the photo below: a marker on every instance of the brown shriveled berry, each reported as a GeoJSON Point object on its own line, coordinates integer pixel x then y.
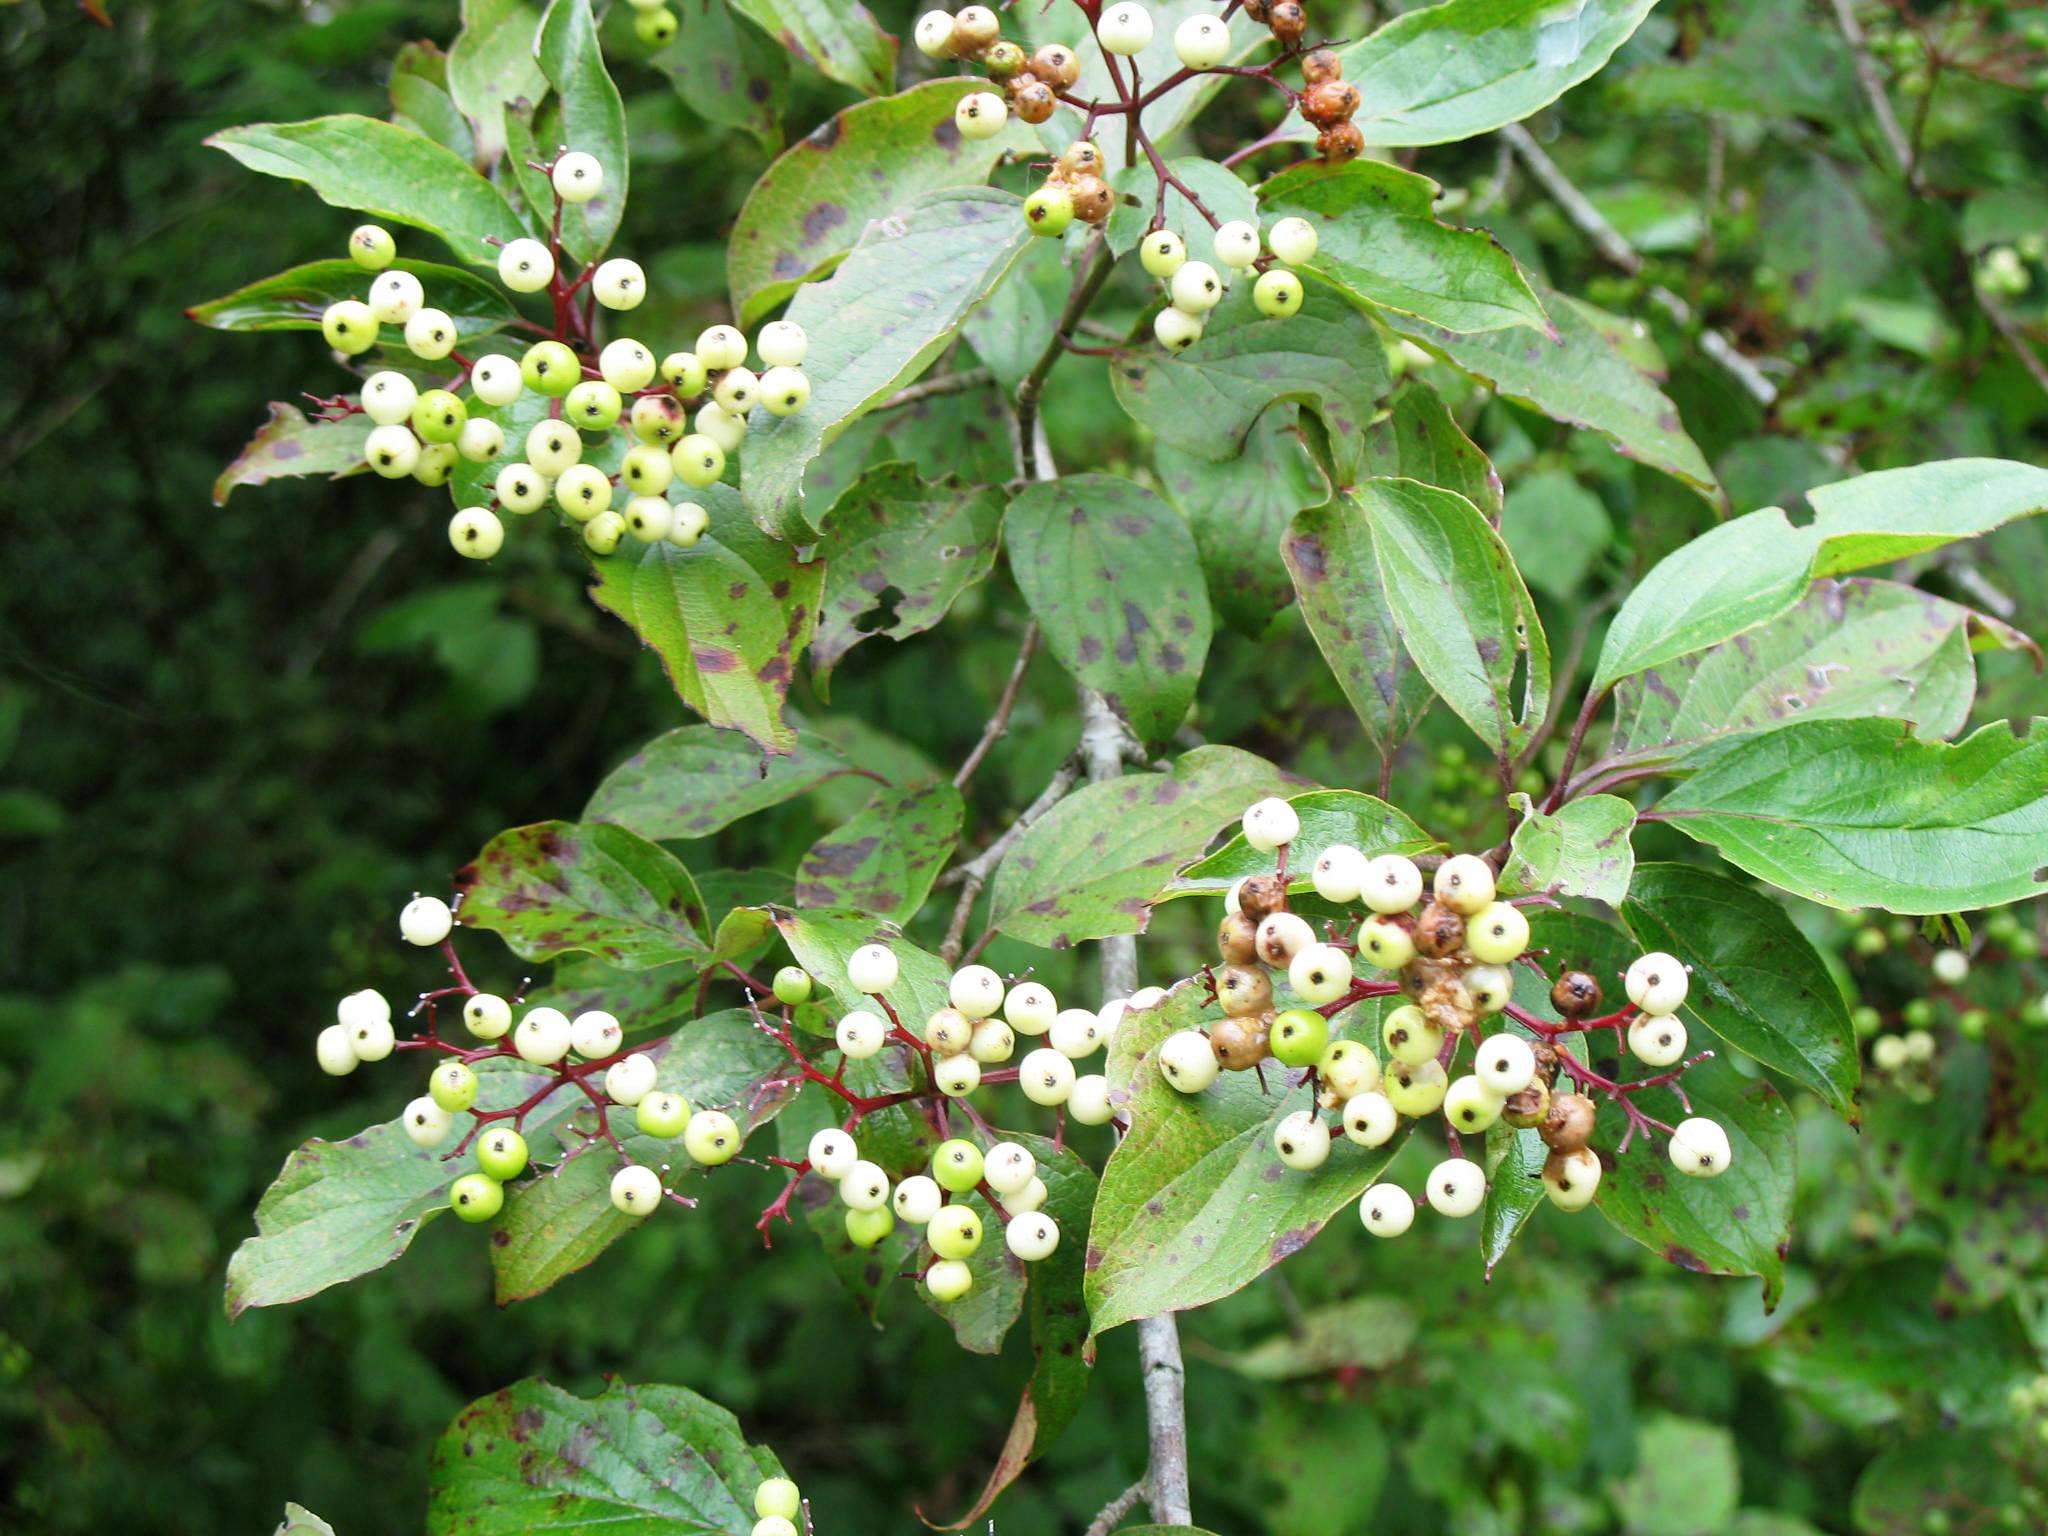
{"type": "Point", "coordinates": [1321, 65]}
{"type": "Point", "coordinates": [1529, 1107]}
{"type": "Point", "coordinates": [1241, 1044]}
{"type": "Point", "coordinates": [1243, 989]}
{"type": "Point", "coordinates": [1439, 931]}
{"type": "Point", "coordinates": [1057, 65]}
{"type": "Point", "coordinates": [1576, 995]}
{"type": "Point", "coordinates": [1569, 1125]}
{"type": "Point", "coordinates": [1260, 11]}
{"type": "Point", "coordinates": [1330, 103]}
{"type": "Point", "coordinates": [976, 28]}
{"type": "Point", "coordinates": [1034, 101]}
{"type": "Point", "coordinates": [1237, 939]}
{"type": "Point", "coordinates": [1288, 21]}
{"type": "Point", "coordinates": [1092, 199]}
{"type": "Point", "coordinates": [1261, 896]}
{"type": "Point", "coordinates": [1081, 158]}
{"type": "Point", "coordinates": [1340, 145]}
{"type": "Point", "coordinates": [1546, 1060]}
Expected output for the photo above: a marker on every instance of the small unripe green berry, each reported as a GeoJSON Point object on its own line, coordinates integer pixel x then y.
{"type": "Point", "coordinates": [592, 406]}
{"type": "Point", "coordinates": [656, 26]}
{"type": "Point", "coordinates": [349, 327]}
{"type": "Point", "coordinates": [1299, 1037]}
{"type": "Point", "coordinates": [1049, 210]}
{"type": "Point", "coordinates": [955, 1232]}
{"type": "Point", "coordinates": [550, 368]}
{"type": "Point", "coordinates": [371, 247]}
{"type": "Point", "coordinates": [476, 1197]}
{"type": "Point", "coordinates": [438, 416]}
{"type": "Point", "coordinates": [957, 1165]}
{"type": "Point", "coordinates": [711, 1137]}
{"type": "Point", "coordinates": [792, 985]}
{"type": "Point", "coordinates": [1277, 294]}
{"type": "Point", "coordinates": [453, 1086]}
{"type": "Point", "coordinates": [948, 1279]}
{"type": "Point", "coordinates": [779, 1498]}
{"type": "Point", "coordinates": [501, 1153]}
{"type": "Point", "coordinates": [661, 1114]}
{"type": "Point", "coordinates": [698, 460]}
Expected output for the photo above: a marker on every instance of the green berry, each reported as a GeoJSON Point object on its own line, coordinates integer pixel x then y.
{"type": "Point", "coordinates": [957, 1165]}
{"type": "Point", "coordinates": [792, 985]}
{"type": "Point", "coordinates": [778, 1498]}
{"type": "Point", "coordinates": [371, 247]}
{"type": "Point", "coordinates": [501, 1153]}
{"type": "Point", "coordinates": [948, 1280]}
{"type": "Point", "coordinates": [1049, 211]}
{"type": "Point", "coordinates": [438, 416]}
{"type": "Point", "coordinates": [698, 460]}
{"type": "Point", "coordinates": [711, 1137]}
{"type": "Point", "coordinates": [662, 1114]}
{"type": "Point", "coordinates": [646, 469]}
{"type": "Point", "coordinates": [955, 1232]}
{"type": "Point", "coordinates": [657, 27]}
{"type": "Point", "coordinates": [349, 327]}
{"type": "Point", "coordinates": [864, 1229]}
{"type": "Point", "coordinates": [1299, 1036]}
{"type": "Point", "coordinates": [1277, 293]}
{"type": "Point", "coordinates": [476, 1197]}
{"type": "Point", "coordinates": [453, 1086]}
{"type": "Point", "coordinates": [436, 464]}
{"type": "Point", "coordinates": [602, 534]}
{"type": "Point", "coordinates": [593, 406]}
{"type": "Point", "coordinates": [685, 373]}
{"type": "Point", "coordinates": [550, 368]}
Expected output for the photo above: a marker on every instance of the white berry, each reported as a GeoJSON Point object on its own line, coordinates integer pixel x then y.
{"type": "Point", "coordinates": [395, 297]}
{"type": "Point", "coordinates": [1046, 1076]}
{"type": "Point", "coordinates": [630, 1079]}
{"type": "Point", "coordinates": [782, 344]}
{"type": "Point", "coordinates": [1457, 1187]}
{"type": "Point", "coordinates": [542, 1036]}
{"type": "Point", "coordinates": [1951, 967]}
{"type": "Point", "coordinates": [1370, 1119]}
{"type": "Point", "coordinates": [1031, 1197]}
{"type": "Point", "coordinates": [1505, 1063]}
{"type": "Point", "coordinates": [1237, 244]}
{"type": "Point", "coordinates": [388, 398]}
{"type": "Point", "coordinates": [1470, 1105]}
{"type": "Point", "coordinates": [934, 34]}
{"type": "Point", "coordinates": [1571, 1179]}
{"type": "Point", "coordinates": [1282, 936]}
{"type": "Point", "coordinates": [1657, 1039]}
{"type": "Point", "coordinates": [595, 1034]}
{"type": "Point", "coordinates": [1491, 987]}
{"type": "Point", "coordinates": [993, 1041]}
{"type": "Point", "coordinates": [863, 1186]}
{"type": "Point", "coordinates": [976, 991]}
{"type": "Point", "coordinates": [1089, 1103]}
{"type": "Point", "coordinates": [335, 1051]}
{"type": "Point", "coordinates": [578, 177]}
{"type": "Point", "coordinates": [1464, 883]}
{"type": "Point", "coordinates": [1076, 1032]}
{"type": "Point", "coordinates": [1176, 329]}
{"type": "Point", "coordinates": [1125, 28]}
{"type": "Point", "coordinates": [720, 347]}
{"type": "Point", "coordinates": [430, 334]}
{"type": "Point", "coordinates": [480, 440]}
{"type": "Point", "coordinates": [1196, 289]}
{"type": "Point", "coordinates": [636, 1190]}
{"type": "Point", "coordinates": [427, 1123]}
{"type": "Point", "coordinates": [496, 379]}
{"type": "Point", "coordinates": [1699, 1148]}
{"type": "Point", "coordinates": [1319, 973]}
{"type": "Point", "coordinates": [1339, 873]}
{"type": "Point", "coordinates": [1201, 42]}
{"type": "Point", "coordinates": [525, 266]}
{"type": "Point", "coordinates": [627, 365]}
{"type": "Point", "coordinates": [1293, 240]}
{"type": "Point", "coordinates": [1392, 884]}
{"type": "Point", "coordinates": [784, 391]}
{"type": "Point", "coordinates": [476, 533]}
{"type": "Point", "coordinates": [980, 115]}
{"type": "Point", "coordinates": [860, 1034]}
{"type": "Point", "coordinates": [1302, 1140]}
{"type": "Point", "coordinates": [1162, 253]}
{"type": "Point", "coordinates": [426, 920]}
{"type": "Point", "coordinates": [871, 969]}
{"type": "Point", "coordinates": [392, 452]}
{"type": "Point", "coordinates": [1188, 1061]}
{"type": "Point", "coordinates": [619, 284]}
{"type": "Point", "coordinates": [1657, 983]}
{"type": "Point", "coordinates": [1032, 1236]}
{"type": "Point", "coordinates": [367, 1005]}
{"type": "Point", "coordinates": [957, 1076]}
{"type": "Point", "coordinates": [918, 1199]}
{"type": "Point", "coordinates": [487, 1016]}
{"type": "Point", "coordinates": [1269, 824]}
{"type": "Point", "coordinates": [1387, 1210]}
{"type": "Point", "coordinates": [1008, 1167]}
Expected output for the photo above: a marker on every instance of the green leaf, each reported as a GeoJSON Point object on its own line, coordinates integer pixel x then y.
{"type": "Point", "coordinates": [1194, 1202]}
{"type": "Point", "coordinates": [1849, 648]}
{"type": "Point", "coordinates": [1091, 865]}
{"type": "Point", "coordinates": [1960, 1475]}
{"type": "Point", "coordinates": [1365, 1333]}
{"type": "Point", "coordinates": [1112, 575]}
{"type": "Point", "coordinates": [1328, 817]}
{"type": "Point", "coordinates": [554, 1225]}
{"type": "Point", "coordinates": [1748, 572]}
{"type": "Point", "coordinates": [1737, 1224]}
{"type": "Point", "coordinates": [534, 1460]}
{"type": "Point", "coordinates": [301, 1521]}
{"type": "Point", "coordinates": [558, 886]}
{"type": "Point", "coordinates": [1238, 511]}
{"type": "Point", "coordinates": [1222, 192]}
{"type": "Point", "coordinates": [1687, 1481]}
{"type": "Point", "coordinates": [1857, 813]}
{"type": "Point", "coordinates": [873, 159]}
{"type": "Point", "coordinates": [696, 780]}
{"type": "Point", "coordinates": [1583, 849]}
{"type": "Point", "coordinates": [821, 941]}
{"type": "Point", "coordinates": [728, 73]}
{"type": "Point", "coordinates": [898, 550]}
{"type": "Point", "coordinates": [1457, 70]}
{"type": "Point", "coordinates": [490, 65]}
{"type": "Point", "coordinates": [885, 859]}
{"type": "Point", "coordinates": [590, 117]}
{"type": "Point", "coordinates": [288, 445]}
{"type": "Point", "coordinates": [294, 300]}
{"type": "Point", "coordinates": [340, 1209]}
{"type": "Point", "coordinates": [1556, 530]}
{"type": "Point", "coordinates": [1420, 440]}
{"type": "Point", "coordinates": [1328, 551]}
{"type": "Point", "coordinates": [1582, 379]}
{"type": "Point", "coordinates": [875, 324]}
{"type": "Point", "coordinates": [1757, 981]}
{"type": "Point", "coordinates": [1462, 611]}
{"type": "Point", "coordinates": [1204, 401]}
{"type": "Point", "coordinates": [420, 100]}
{"type": "Point", "coordinates": [1380, 242]}
{"type": "Point", "coordinates": [837, 38]}
{"type": "Point", "coordinates": [384, 170]}
{"type": "Point", "coordinates": [728, 616]}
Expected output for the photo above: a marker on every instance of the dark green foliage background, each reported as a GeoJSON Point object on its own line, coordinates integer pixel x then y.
{"type": "Point", "coordinates": [231, 739]}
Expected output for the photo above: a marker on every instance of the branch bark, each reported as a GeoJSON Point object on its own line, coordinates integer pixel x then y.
{"type": "Point", "coordinates": [1872, 82]}
{"type": "Point", "coordinates": [973, 875]}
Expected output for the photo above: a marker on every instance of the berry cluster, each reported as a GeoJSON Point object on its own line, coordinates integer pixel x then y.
{"type": "Point", "coordinates": [1329, 102]}
{"type": "Point", "coordinates": [1031, 83]}
{"type": "Point", "coordinates": [573, 1050]}
{"type": "Point", "coordinates": [1073, 190]}
{"type": "Point", "coordinates": [1450, 957]}
{"type": "Point", "coordinates": [779, 1509]}
{"type": "Point", "coordinates": [1193, 288]}
{"type": "Point", "coordinates": [684, 412]}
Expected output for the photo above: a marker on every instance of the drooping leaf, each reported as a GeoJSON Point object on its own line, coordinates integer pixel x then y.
{"type": "Point", "coordinates": [1737, 1224]}
{"type": "Point", "coordinates": [1420, 440]}
{"type": "Point", "coordinates": [1582, 849]}
{"type": "Point", "coordinates": [728, 616]}
{"type": "Point", "coordinates": [1380, 242]}
{"type": "Point", "coordinates": [1091, 865]}
{"type": "Point", "coordinates": [289, 445]}
{"type": "Point", "coordinates": [873, 159]}
{"type": "Point", "coordinates": [1859, 813]}
{"type": "Point", "coordinates": [1466, 67]}
{"type": "Point", "coordinates": [592, 118]}
{"type": "Point", "coordinates": [1748, 572]}
{"type": "Point", "coordinates": [1463, 613]}
{"type": "Point", "coordinates": [1328, 817]}
{"type": "Point", "coordinates": [837, 38]}
{"type": "Point", "coordinates": [558, 886]}
{"type": "Point", "coordinates": [1329, 554]}
{"type": "Point", "coordinates": [692, 781]}
{"type": "Point", "coordinates": [885, 859]}
{"type": "Point", "coordinates": [295, 299]}
{"type": "Point", "coordinates": [1849, 648]}
{"type": "Point", "coordinates": [1194, 1202]}
{"type": "Point", "coordinates": [1757, 981]}
{"type": "Point", "coordinates": [1238, 511]}
{"type": "Point", "coordinates": [386, 171]}
{"type": "Point", "coordinates": [898, 549]}
{"type": "Point", "coordinates": [490, 64]}
{"type": "Point", "coordinates": [892, 306]}
{"type": "Point", "coordinates": [1223, 192]}
{"type": "Point", "coordinates": [340, 1209]}
{"type": "Point", "coordinates": [1582, 379]}
{"type": "Point", "coordinates": [534, 1460]}
{"type": "Point", "coordinates": [1204, 401]}
{"type": "Point", "coordinates": [727, 72]}
{"type": "Point", "coordinates": [1112, 575]}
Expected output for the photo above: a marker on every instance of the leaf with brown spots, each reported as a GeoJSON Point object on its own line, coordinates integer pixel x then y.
{"type": "Point", "coordinates": [1379, 242]}
{"type": "Point", "coordinates": [837, 38]}
{"type": "Point", "coordinates": [728, 72]}
{"type": "Point", "coordinates": [1092, 864]}
{"type": "Point", "coordinates": [696, 780]}
{"type": "Point", "coordinates": [1112, 575]}
{"type": "Point", "coordinates": [885, 859]}
{"type": "Point", "coordinates": [1582, 849]}
{"type": "Point", "coordinates": [898, 550]}
{"type": "Point", "coordinates": [729, 616]}
{"type": "Point", "coordinates": [558, 886]}
{"type": "Point", "coordinates": [288, 444]}
{"type": "Point", "coordinates": [872, 159]}
{"type": "Point", "coordinates": [534, 1460]}
{"type": "Point", "coordinates": [1195, 1203]}
{"type": "Point", "coordinates": [1419, 439]}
